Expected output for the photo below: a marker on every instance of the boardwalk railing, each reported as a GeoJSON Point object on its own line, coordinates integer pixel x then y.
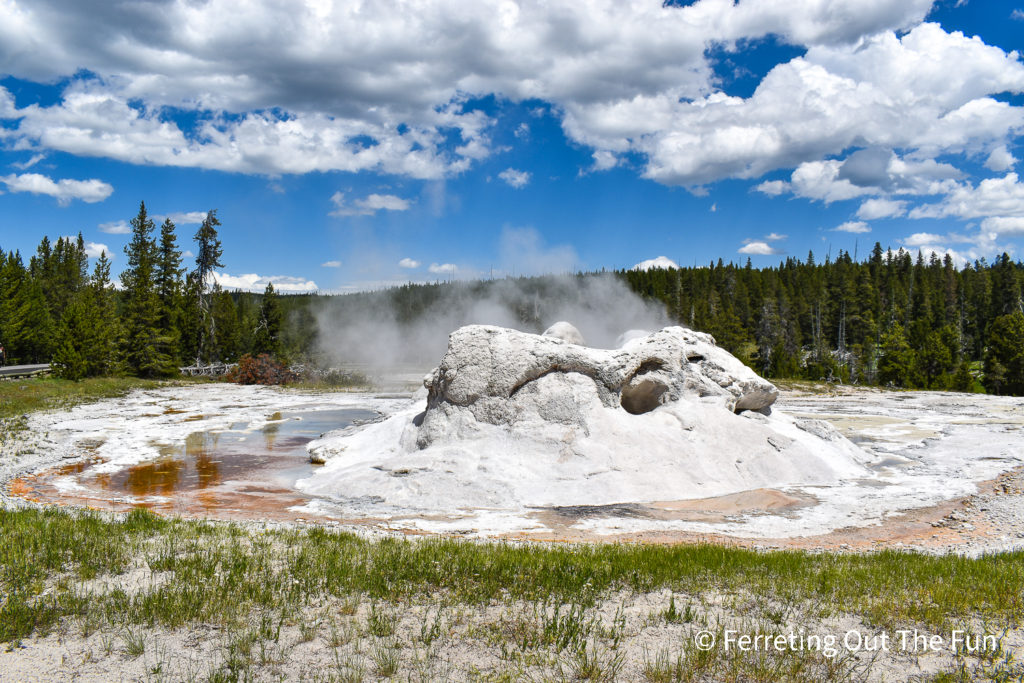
{"type": "Point", "coordinates": [21, 371]}
{"type": "Point", "coordinates": [211, 370]}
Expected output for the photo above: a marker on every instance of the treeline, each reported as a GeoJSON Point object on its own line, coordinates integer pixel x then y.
{"type": "Point", "coordinates": [891, 320]}
{"type": "Point", "coordinates": [896, 319]}
{"type": "Point", "coordinates": [163, 315]}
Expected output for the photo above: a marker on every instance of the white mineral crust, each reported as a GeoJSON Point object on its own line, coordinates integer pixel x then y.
{"type": "Point", "coordinates": [513, 420]}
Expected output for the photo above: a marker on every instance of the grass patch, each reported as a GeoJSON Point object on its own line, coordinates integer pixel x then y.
{"type": "Point", "coordinates": [21, 396]}
{"type": "Point", "coordinates": [389, 606]}
{"type": "Point", "coordinates": [223, 574]}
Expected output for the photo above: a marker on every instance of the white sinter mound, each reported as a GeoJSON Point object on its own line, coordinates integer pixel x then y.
{"type": "Point", "coordinates": [514, 420]}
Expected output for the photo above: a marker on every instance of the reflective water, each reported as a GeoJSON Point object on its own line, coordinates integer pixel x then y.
{"type": "Point", "coordinates": [223, 473]}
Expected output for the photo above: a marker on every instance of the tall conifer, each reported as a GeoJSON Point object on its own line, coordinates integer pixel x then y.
{"type": "Point", "coordinates": [143, 346]}
{"type": "Point", "coordinates": [167, 280]}
{"type": "Point", "coordinates": [208, 255]}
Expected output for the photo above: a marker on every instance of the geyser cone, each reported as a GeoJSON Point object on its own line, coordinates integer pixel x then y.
{"type": "Point", "coordinates": [514, 420]}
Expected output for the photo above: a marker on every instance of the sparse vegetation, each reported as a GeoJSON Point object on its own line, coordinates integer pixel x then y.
{"type": "Point", "coordinates": [18, 397]}
{"type": "Point", "coordinates": [387, 605]}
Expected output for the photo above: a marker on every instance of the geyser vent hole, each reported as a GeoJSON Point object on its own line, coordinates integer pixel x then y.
{"type": "Point", "coordinates": [643, 393]}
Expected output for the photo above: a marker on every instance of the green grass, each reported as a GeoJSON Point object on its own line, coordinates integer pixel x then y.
{"type": "Point", "coordinates": [21, 396]}
{"type": "Point", "coordinates": [223, 574]}
{"type": "Point", "coordinates": [362, 598]}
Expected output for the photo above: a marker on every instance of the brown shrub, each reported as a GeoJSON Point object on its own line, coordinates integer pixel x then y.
{"type": "Point", "coordinates": [262, 369]}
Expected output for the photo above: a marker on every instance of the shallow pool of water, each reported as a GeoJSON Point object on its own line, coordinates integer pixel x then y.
{"type": "Point", "coordinates": [228, 472]}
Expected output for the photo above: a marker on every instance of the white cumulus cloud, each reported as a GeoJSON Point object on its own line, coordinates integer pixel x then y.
{"type": "Point", "coordinates": [872, 209]}
{"type": "Point", "coordinates": [409, 263]}
{"type": "Point", "coordinates": [622, 76]}
{"type": "Point", "coordinates": [773, 188]}
{"type": "Point", "coordinates": [94, 249]}
{"type": "Point", "coordinates": [662, 262]}
{"type": "Point", "coordinates": [920, 239]}
{"type": "Point", "coordinates": [183, 217]}
{"type": "Point", "coordinates": [350, 87]}
{"type": "Point", "coordinates": [515, 178]}
{"type": "Point", "coordinates": [1000, 159]}
{"type": "Point", "coordinates": [64, 190]}
{"type": "Point", "coordinates": [604, 160]}
{"type": "Point", "coordinates": [115, 228]}
{"type": "Point", "coordinates": [367, 206]}
{"type": "Point", "coordinates": [1004, 225]}
{"type": "Point", "coordinates": [331, 264]}
{"type": "Point", "coordinates": [758, 247]}
{"type": "Point", "coordinates": [443, 268]}
{"type": "Point", "coordinates": [928, 90]}
{"type": "Point", "coordinates": [991, 197]}
{"type": "Point", "coordinates": [853, 226]}
{"type": "Point", "coordinates": [29, 163]}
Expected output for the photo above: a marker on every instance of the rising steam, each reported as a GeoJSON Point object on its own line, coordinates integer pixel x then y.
{"type": "Point", "coordinates": [390, 329]}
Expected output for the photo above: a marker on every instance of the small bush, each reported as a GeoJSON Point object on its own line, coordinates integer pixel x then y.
{"type": "Point", "coordinates": [260, 370]}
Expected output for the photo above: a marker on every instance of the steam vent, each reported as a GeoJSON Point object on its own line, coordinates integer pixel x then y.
{"type": "Point", "coordinates": [513, 420]}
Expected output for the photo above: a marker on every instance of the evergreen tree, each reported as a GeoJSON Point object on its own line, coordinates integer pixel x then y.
{"type": "Point", "coordinates": [102, 355]}
{"type": "Point", "coordinates": [963, 380]}
{"type": "Point", "coordinates": [248, 312]}
{"type": "Point", "coordinates": [61, 270]}
{"type": "Point", "coordinates": [144, 349]}
{"type": "Point", "coordinates": [226, 320]}
{"type": "Point", "coordinates": [298, 330]}
{"type": "Point", "coordinates": [812, 319]}
{"type": "Point", "coordinates": [41, 268]}
{"type": "Point", "coordinates": [1006, 287]}
{"type": "Point", "coordinates": [935, 362]}
{"type": "Point", "coordinates": [1004, 358]}
{"type": "Point", "coordinates": [267, 338]}
{"type": "Point", "coordinates": [208, 255]}
{"type": "Point", "coordinates": [75, 338]}
{"type": "Point", "coordinates": [81, 326]}
{"type": "Point", "coordinates": [896, 362]}
{"type": "Point", "coordinates": [30, 329]}
{"type": "Point", "coordinates": [190, 321]}
{"type": "Point", "coordinates": [167, 280]}
{"type": "Point", "coordinates": [12, 288]}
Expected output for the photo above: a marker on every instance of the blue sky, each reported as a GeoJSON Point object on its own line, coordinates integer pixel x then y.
{"type": "Point", "coordinates": [349, 145]}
